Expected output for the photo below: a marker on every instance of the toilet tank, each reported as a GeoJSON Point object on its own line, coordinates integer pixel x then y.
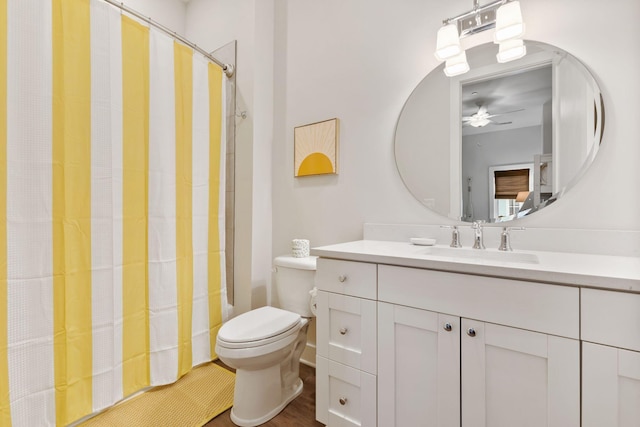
{"type": "Point", "coordinates": [294, 278]}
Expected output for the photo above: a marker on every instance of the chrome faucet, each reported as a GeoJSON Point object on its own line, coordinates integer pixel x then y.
{"type": "Point", "coordinates": [455, 236]}
{"type": "Point", "coordinates": [477, 234]}
{"type": "Point", "coordinates": [505, 238]}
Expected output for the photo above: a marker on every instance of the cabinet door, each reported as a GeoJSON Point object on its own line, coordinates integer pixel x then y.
{"type": "Point", "coordinates": [513, 377]}
{"type": "Point", "coordinates": [610, 386]}
{"type": "Point", "coordinates": [419, 368]}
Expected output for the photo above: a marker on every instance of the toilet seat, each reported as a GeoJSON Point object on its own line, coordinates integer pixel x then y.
{"type": "Point", "coordinates": [258, 327]}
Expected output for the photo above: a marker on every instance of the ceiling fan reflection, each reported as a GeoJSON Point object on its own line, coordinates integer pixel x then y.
{"type": "Point", "coordinates": [483, 118]}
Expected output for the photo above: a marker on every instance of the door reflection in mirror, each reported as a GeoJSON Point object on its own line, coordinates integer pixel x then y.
{"type": "Point", "coordinates": [506, 121]}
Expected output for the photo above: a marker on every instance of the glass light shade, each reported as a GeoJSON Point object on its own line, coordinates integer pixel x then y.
{"type": "Point", "coordinates": [509, 23]}
{"type": "Point", "coordinates": [456, 65]}
{"type": "Point", "coordinates": [448, 43]}
{"type": "Point", "coordinates": [511, 50]}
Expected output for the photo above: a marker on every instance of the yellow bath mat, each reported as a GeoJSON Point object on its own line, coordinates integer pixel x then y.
{"type": "Point", "coordinates": [191, 401]}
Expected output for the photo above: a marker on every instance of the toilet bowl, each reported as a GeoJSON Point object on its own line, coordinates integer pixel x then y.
{"type": "Point", "coordinates": [264, 345]}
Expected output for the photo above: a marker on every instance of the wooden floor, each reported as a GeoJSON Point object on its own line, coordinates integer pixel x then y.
{"type": "Point", "coordinates": [299, 413]}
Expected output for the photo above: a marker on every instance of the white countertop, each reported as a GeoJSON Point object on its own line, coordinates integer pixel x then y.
{"type": "Point", "coordinates": [597, 271]}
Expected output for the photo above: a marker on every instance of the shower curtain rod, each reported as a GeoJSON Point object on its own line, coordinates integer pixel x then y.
{"type": "Point", "coordinates": [227, 68]}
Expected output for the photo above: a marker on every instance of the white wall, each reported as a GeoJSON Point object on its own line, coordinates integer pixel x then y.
{"type": "Point", "coordinates": [359, 61]}
{"type": "Point", "coordinates": [348, 60]}
{"type": "Point", "coordinates": [169, 13]}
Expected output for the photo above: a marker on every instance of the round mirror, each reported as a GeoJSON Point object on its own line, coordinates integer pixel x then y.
{"type": "Point", "coordinates": [503, 140]}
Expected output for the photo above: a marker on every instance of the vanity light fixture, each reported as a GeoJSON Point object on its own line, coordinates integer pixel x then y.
{"type": "Point", "coordinates": [456, 65]}
{"type": "Point", "coordinates": [448, 43]}
{"type": "Point", "coordinates": [511, 50]}
{"type": "Point", "coordinates": [503, 15]}
{"type": "Point", "coordinates": [509, 23]}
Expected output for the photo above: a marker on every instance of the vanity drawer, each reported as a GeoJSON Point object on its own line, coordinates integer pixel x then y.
{"type": "Point", "coordinates": [347, 277]}
{"type": "Point", "coordinates": [344, 396]}
{"type": "Point", "coordinates": [551, 309]}
{"type": "Point", "coordinates": [346, 330]}
{"type": "Point", "coordinates": [611, 318]}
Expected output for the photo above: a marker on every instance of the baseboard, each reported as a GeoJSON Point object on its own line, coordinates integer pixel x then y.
{"type": "Point", "coordinates": [309, 355]}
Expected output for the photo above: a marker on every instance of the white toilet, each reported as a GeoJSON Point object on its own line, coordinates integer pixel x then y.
{"type": "Point", "coordinates": [264, 345]}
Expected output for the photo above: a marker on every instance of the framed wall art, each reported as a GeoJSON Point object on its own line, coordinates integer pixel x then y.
{"type": "Point", "coordinates": [315, 148]}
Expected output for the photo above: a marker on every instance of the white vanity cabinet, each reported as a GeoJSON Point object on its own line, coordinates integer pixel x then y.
{"type": "Point", "coordinates": [346, 351]}
{"type": "Point", "coordinates": [452, 349]}
{"type": "Point", "coordinates": [477, 342]}
{"type": "Point", "coordinates": [610, 358]}
{"type": "Point", "coordinates": [446, 370]}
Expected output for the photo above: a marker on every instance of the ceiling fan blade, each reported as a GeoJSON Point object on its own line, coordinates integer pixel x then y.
{"type": "Point", "coordinates": [506, 112]}
{"type": "Point", "coordinates": [501, 123]}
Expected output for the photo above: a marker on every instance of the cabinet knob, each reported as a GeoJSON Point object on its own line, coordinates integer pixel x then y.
{"type": "Point", "coordinates": [343, 331]}
{"type": "Point", "coordinates": [343, 401]}
{"type": "Point", "coordinates": [342, 278]}
{"type": "Point", "coordinates": [471, 332]}
{"type": "Point", "coordinates": [447, 327]}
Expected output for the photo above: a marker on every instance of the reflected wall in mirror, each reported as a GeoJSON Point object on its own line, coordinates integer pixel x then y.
{"type": "Point", "coordinates": [502, 141]}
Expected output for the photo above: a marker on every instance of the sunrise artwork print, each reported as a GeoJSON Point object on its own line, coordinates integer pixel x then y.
{"type": "Point", "coordinates": [315, 150]}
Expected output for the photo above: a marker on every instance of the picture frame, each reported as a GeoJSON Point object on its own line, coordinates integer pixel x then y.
{"type": "Point", "coordinates": [315, 148]}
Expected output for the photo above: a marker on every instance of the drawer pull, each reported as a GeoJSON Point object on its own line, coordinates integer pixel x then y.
{"type": "Point", "coordinates": [471, 332]}
{"type": "Point", "coordinates": [447, 327]}
{"type": "Point", "coordinates": [343, 331]}
{"type": "Point", "coordinates": [342, 278]}
{"type": "Point", "coordinates": [343, 401]}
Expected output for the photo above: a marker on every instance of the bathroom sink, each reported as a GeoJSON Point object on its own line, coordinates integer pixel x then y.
{"type": "Point", "coordinates": [481, 254]}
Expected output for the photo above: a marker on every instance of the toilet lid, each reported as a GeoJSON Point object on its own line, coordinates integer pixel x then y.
{"type": "Point", "coordinates": [258, 325]}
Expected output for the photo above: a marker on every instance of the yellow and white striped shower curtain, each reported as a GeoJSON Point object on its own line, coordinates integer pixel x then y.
{"type": "Point", "coordinates": [111, 209]}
